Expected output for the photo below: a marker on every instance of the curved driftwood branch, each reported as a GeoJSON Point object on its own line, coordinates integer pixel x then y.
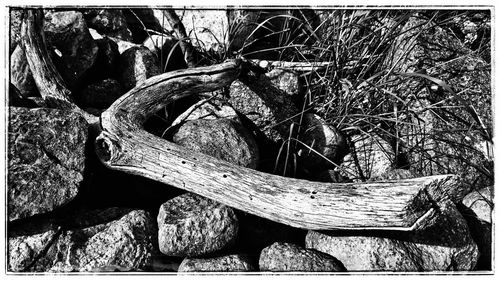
{"type": "Point", "coordinates": [125, 146]}
{"type": "Point", "coordinates": [48, 80]}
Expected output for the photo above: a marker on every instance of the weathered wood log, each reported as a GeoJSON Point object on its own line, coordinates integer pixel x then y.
{"type": "Point", "coordinates": [48, 80]}
{"type": "Point", "coordinates": [125, 146]}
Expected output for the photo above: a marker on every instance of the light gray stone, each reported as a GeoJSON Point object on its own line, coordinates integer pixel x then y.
{"type": "Point", "coordinates": [290, 257]}
{"type": "Point", "coordinates": [234, 263]}
{"type": "Point", "coordinates": [225, 139]}
{"type": "Point", "coordinates": [109, 22]}
{"type": "Point", "coordinates": [46, 159]}
{"type": "Point", "coordinates": [137, 64]}
{"type": "Point", "coordinates": [125, 242]}
{"type": "Point", "coordinates": [191, 225]}
{"type": "Point", "coordinates": [444, 243]}
{"type": "Point", "coordinates": [269, 108]}
{"type": "Point", "coordinates": [326, 146]}
{"type": "Point", "coordinates": [375, 157]}
{"type": "Point", "coordinates": [285, 80]}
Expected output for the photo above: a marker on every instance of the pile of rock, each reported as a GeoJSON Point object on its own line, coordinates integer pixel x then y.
{"type": "Point", "coordinates": [67, 212]}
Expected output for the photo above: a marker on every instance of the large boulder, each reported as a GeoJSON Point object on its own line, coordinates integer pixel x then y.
{"type": "Point", "coordinates": [46, 156]}
{"type": "Point", "coordinates": [270, 109]}
{"type": "Point", "coordinates": [236, 263]}
{"type": "Point", "coordinates": [225, 139]}
{"type": "Point", "coordinates": [443, 243]}
{"type": "Point", "coordinates": [109, 22]}
{"type": "Point", "coordinates": [20, 73]}
{"type": "Point", "coordinates": [23, 249]}
{"type": "Point", "coordinates": [191, 225]}
{"type": "Point", "coordinates": [325, 145]}
{"type": "Point", "coordinates": [126, 242]}
{"type": "Point", "coordinates": [73, 48]}
{"type": "Point", "coordinates": [137, 64]}
{"type": "Point", "coordinates": [290, 257]}
{"type": "Point", "coordinates": [207, 29]}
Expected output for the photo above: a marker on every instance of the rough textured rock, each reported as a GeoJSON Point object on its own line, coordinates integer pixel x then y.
{"type": "Point", "coordinates": [481, 203]}
{"type": "Point", "coordinates": [221, 138]}
{"type": "Point", "coordinates": [191, 225]}
{"type": "Point", "coordinates": [374, 155]}
{"type": "Point", "coordinates": [15, 27]}
{"type": "Point", "coordinates": [326, 146]}
{"type": "Point", "coordinates": [20, 73]}
{"type": "Point", "coordinates": [285, 80]}
{"type": "Point", "coordinates": [217, 264]}
{"type": "Point", "coordinates": [23, 249]}
{"type": "Point", "coordinates": [207, 29]}
{"type": "Point", "coordinates": [290, 257]}
{"type": "Point", "coordinates": [206, 110]}
{"type": "Point", "coordinates": [100, 94]}
{"type": "Point", "coordinates": [127, 242]}
{"type": "Point", "coordinates": [270, 109]}
{"type": "Point", "coordinates": [74, 49]}
{"type": "Point", "coordinates": [109, 22]}
{"type": "Point", "coordinates": [45, 159]}
{"type": "Point", "coordinates": [442, 244]}
{"type": "Point", "coordinates": [137, 64]}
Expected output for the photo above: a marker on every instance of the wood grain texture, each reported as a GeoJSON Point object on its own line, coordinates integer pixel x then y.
{"type": "Point", "coordinates": [48, 80]}
{"type": "Point", "coordinates": [124, 145]}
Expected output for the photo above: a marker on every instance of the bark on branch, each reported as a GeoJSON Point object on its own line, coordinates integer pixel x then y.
{"type": "Point", "coordinates": [124, 145]}
{"type": "Point", "coordinates": [48, 80]}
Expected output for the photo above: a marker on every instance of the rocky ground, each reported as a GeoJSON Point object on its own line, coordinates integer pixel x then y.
{"type": "Point", "coordinates": [67, 212]}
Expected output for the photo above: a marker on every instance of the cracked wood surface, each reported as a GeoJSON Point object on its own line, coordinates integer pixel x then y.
{"type": "Point", "coordinates": [124, 145]}
{"type": "Point", "coordinates": [48, 80]}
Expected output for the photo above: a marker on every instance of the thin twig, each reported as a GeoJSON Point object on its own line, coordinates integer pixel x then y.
{"type": "Point", "coordinates": [180, 31]}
